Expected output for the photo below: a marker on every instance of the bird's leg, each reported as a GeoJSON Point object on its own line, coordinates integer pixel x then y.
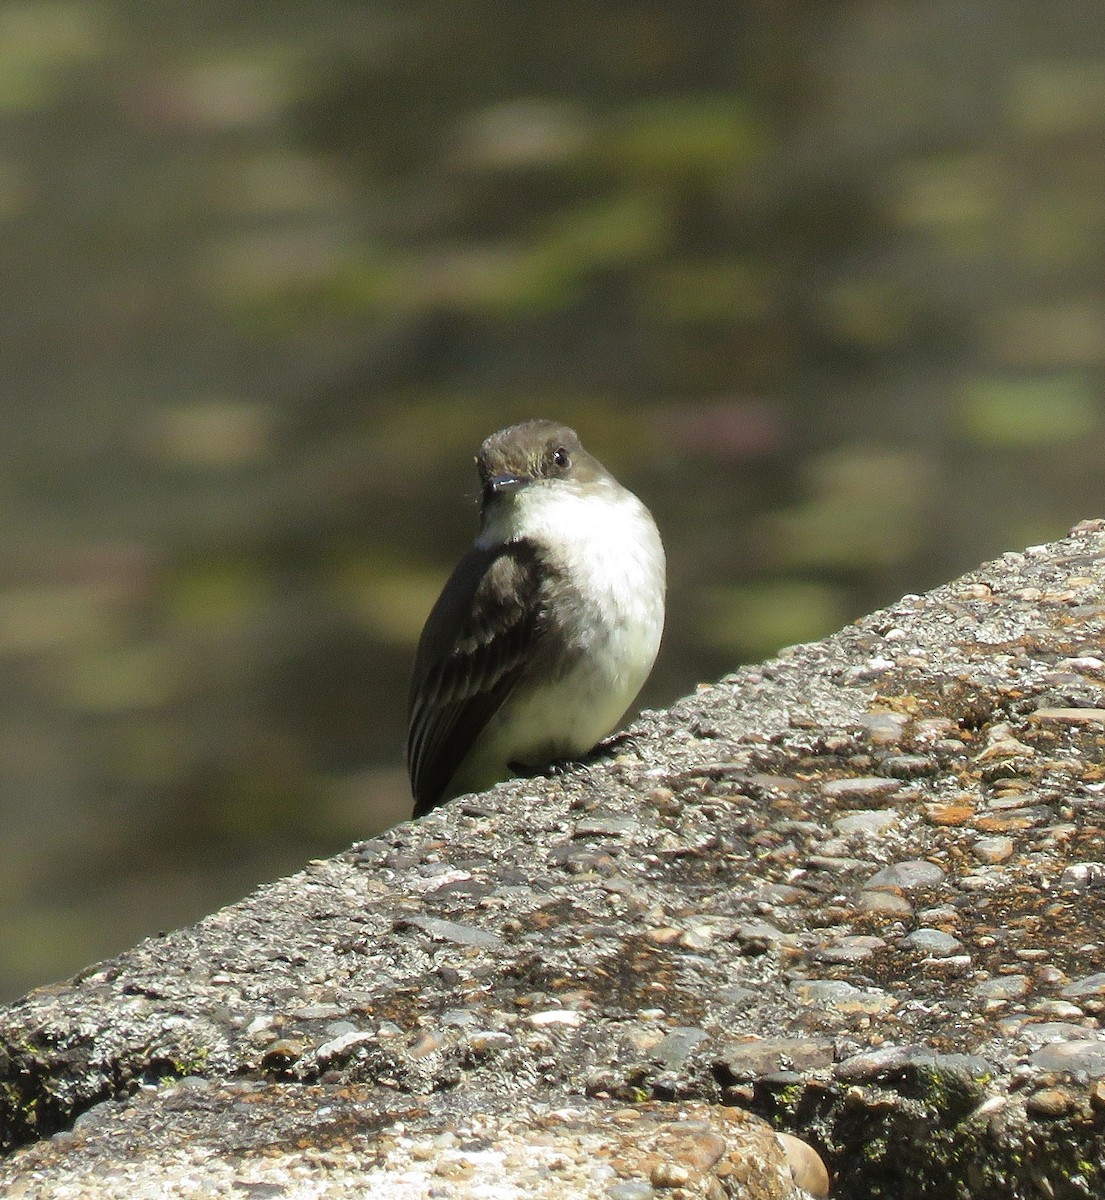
{"type": "Point", "coordinates": [564, 766]}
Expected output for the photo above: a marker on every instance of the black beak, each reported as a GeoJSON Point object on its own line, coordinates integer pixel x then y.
{"type": "Point", "coordinates": [499, 485]}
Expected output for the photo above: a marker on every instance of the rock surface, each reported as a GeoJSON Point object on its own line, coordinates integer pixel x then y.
{"type": "Point", "coordinates": [855, 891]}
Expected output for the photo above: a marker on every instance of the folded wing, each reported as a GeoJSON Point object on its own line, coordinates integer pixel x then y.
{"type": "Point", "coordinates": [477, 644]}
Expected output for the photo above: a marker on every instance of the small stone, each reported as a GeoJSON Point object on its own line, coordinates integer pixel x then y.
{"type": "Point", "coordinates": [1082, 876]}
{"type": "Point", "coordinates": [630, 1189]}
{"type": "Point", "coordinates": [1001, 744]}
{"type": "Point", "coordinates": [1011, 822]}
{"type": "Point", "coordinates": [1043, 1033]}
{"type": "Point", "coordinates": [485, 1041]}
{"type": "Point", "coordinates": [883, 728]}
{"type": "Point", "coordinates": [1085, 662]}
{"type": "Point", "coordinates": [871, 669]}
{"type": "Point", "coordinates": [872, 1064]}
{"type": "Point", "coordinates": [853, 948]}
{"type": "Point", "coordinates": [933, 942]}
{"type": "Point", "coordinates": [993, 849]}
{"type": "Point", "coordinates": [915, 873]}
{"type": "Point", "coordinates": [674, 1048]}
{"type": "Point", "coordinates": [451, 931]}
{"type": "Point", "coordinates": [342, 1047]}
{"type": "Point", "coordinates": [698, 937]}
{"type": "Point", "coordinates": [806, 1167]}
{"type": "Point", "coordinates": [461, 1018]}
{"type": "Point", "coordinates": [1048, 1102]}
{"type": "Point", "coordinates": [835, 863]}
{"type": "Point", "coordinates": [758, 1057]}
{"type": "Point", "coordinates": [1058, 1010]}
{"type": "Point", "coordinates": [949, 814]}
{"type": "Point", "coordinates": [885, 903]}
{"type": "Point", "coordinates": [556, 1016]}
{"type": "Point", "coordinates": [981, 881]}
{"type": "Point", "coordinates": [1005, 987]}
{"type": "Point", "coordinates": [757, 936]}
{"type": "Point", "coordinates": [605, 827]}
{"type": "Point", "coordinates": [1082, 1055]}
{"type": "Point", "coordinates": [669, 1175]}
{"type": "Point", "coordinates": [843, 997]}
{"type": "Point", "coordinates": [1069, 716]}
{"type": "Point", "coordinates": [909, 766]}
{"type": "Point", "coordinates": [425, 1044]}
{"type": "Point", "coordinates": [938, 916]}
{"type": "Point", "coordinates": [867, 787]}
{"type": "Point", "coordinates": [281, 1053]}
{"type": "Point", "coordinates": [318, 1012]}
{"type": "Point", "coordinates": [1088, 985]}
{"type": "Point", "coordinates": [869, 823]}
{"type": "Point", "coordinates": [975, 591]}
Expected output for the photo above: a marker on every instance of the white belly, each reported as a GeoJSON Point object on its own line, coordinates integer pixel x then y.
{"type": "Point", "coordinates": [612, 551]}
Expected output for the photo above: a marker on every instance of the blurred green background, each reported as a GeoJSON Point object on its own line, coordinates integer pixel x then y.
{"type": "Point", "coordinates": [823, 283]}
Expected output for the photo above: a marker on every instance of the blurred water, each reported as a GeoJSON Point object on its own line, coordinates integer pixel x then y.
{"type": "Point", "coordinates": [822, 283]}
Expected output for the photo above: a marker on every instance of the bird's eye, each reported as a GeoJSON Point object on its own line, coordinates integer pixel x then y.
{"type": "Point", "coordinates": [562, 458]}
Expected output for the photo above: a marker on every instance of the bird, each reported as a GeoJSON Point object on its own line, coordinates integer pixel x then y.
{"type": "Point", "coordinates": [547, 628]}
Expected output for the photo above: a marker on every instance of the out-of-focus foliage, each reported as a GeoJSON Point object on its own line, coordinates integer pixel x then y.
{"type": "Point", "coordinates": [823, 283]}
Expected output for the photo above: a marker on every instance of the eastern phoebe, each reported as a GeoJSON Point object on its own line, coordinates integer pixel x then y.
{"type": "Point", "coordinates": [548, 627]}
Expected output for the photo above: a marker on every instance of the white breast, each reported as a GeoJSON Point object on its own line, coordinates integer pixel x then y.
{"type": "Point", "coordinates": [608, 545]}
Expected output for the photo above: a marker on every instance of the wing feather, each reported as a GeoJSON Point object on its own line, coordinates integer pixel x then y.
{"type": "Point", "coordinates": [474, 649]}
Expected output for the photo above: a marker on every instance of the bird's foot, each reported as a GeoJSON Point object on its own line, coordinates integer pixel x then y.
{"type": "Point", "coordinates": [564, 766]}
{"type": "Point", "coordinates": [553, 769]}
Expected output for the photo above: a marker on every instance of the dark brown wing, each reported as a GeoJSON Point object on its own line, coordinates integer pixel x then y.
{"type": "Point", "coordinates": [474, 649]}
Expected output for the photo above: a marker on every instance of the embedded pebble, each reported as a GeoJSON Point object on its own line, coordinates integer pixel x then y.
{"type": "Point", "coordinates": [1004, 987]}
{"type": "Point", "coordinates": [1042, 1033]}
{"type": "Point", "coordinates": [1058, 1010]}
{"type": "Point", "coordinates": [1049, 1102]}
{"type": "Point", "coordinates": [992, 849]}
{"type": "Point", "coordinates": [450, 931]}
{"type": "Point", "coordinates": [676, 1046]}
{"type": "Point", "coordinates": [888, 1061]}
{"type": "Point", "coordinates": [1070, 716]}
{"type": "Point", "coordinates": [933, 942]}
{"type": "Point", "coordinates": [341, 1046]}
{"type": "Point", "coordinates": [981, 881]}
{"type": "Point", "coordinates": [806, 1165]}
{"type": "Point", "coordinates": [1083, 1056]}
{"type": "Point", "coordinates": [758, 935]}
{"type": "Point", "coordinates": [864, 787]}
{"type": "Point", "coordinates": [556, 1016]}
{"type": "Point", "coordinates": [630, 1189]}
{"type": "Point", "coordinates": [941, 913]}
{"type": "Point", "coordinates": [871, 822]}
{"type": "Point", "coordinates": [605, 827]}
{"type": "Point", "coordinates": [757, 1057]}
{"type": "Point", "coordinates": [853, 948]}
{"type": "Point", "coordinates": [883, 728]}
{"type": "Point", "coordinates": [871, 669]}
{"type": "Point", "coordinates": [460, 1017]}
{"type": "Point", "coordinates": [842, 996]}
{"type": "Point", "coordinates": [909, 766]}
{"type": "Point", "coordinates": [1089, 985]}
{"type": "Point", "coordinates": [1082, 876]}
{"type": "Point", "coordinates": [916, 873]}
{"type": "Point", "coordinates": [886, 903]}
{"type": "Point", "coordinates": [669, 1175]}
{"type": "Point", "coordinates": [834, 863]}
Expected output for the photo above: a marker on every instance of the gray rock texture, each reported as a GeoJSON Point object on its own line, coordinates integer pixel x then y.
{"type": "Point", "coordinates": [856, 891]}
